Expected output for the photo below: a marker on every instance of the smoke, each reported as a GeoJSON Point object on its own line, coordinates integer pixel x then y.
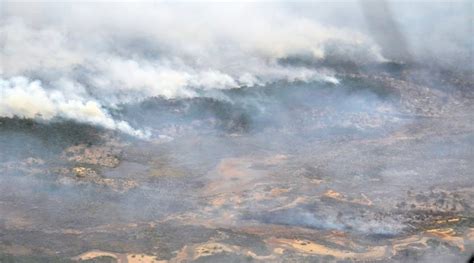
{"type": "Point", "coordinates": [25, 98]}
{"type": "Point", "coordinates": [384, 29]}
{"type": "Point", "coordinates": [300, 84]}
{"type": "Point", "coordinates": [91, 58]}
{"type": "Point", "coordinates": [81, 61]}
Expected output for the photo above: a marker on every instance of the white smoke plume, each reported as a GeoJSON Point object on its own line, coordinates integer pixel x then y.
{"type": "Point", "coordinates": [25, 98]}
{"type": "Point", "coordinates": [79, 60]}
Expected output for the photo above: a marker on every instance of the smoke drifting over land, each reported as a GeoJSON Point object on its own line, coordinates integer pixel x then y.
{"type": "Point", "coordinates": [83, 59]}
{"type": "Point", "coordinates": [272, 131]}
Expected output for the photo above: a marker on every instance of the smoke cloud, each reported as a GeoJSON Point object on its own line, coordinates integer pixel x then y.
{"type": "Point", "coordinates": [61, 64]}
{"type": "Point", "coordinates": [28, 99]}
{"type": "Point", "coordinates": [82, 61]}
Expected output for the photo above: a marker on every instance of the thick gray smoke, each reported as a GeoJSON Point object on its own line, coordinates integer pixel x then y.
{"type": "Point", "coordinates": [348, 123]}
{"type": "Point", "coordinates": [81, 61]}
